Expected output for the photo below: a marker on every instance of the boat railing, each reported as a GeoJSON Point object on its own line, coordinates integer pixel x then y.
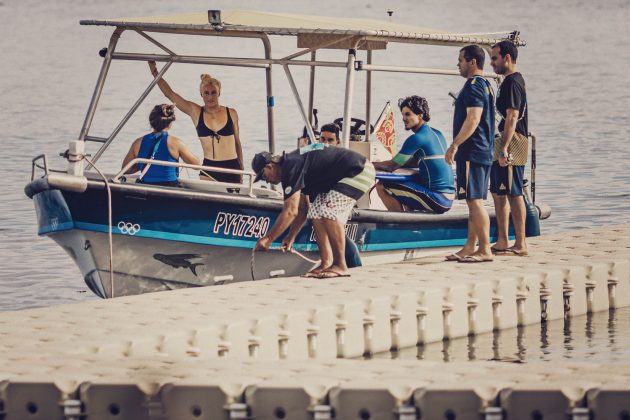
{"type": "Point", "coordinates": [35, 164]}
{"type": "Point", "coordinates": [249, 174]}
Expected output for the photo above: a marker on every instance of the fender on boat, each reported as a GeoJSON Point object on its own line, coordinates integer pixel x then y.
{"type": "Point", "coordinates": [353, 259]}
{"type": "Point", "coordinates": [55, 180]}
{"type": "Point", "coordinates": [544, 211]}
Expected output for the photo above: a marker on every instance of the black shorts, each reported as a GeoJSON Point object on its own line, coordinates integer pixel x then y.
{"type": "Point", "coordinates": [222, 176]}
{"type": "Point", "coordinates": [472, 180]}
{"type": "Point", "coordinates": [506, 180]}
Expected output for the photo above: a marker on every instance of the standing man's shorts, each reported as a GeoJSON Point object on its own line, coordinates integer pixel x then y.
{"type": "Point", "coordinates": [331, 205]}
{"type": "Point", "coordinates": [506, 180]}
{"type": "Point", "coordinates": [337, 203]}
{"type": "Point", "coordinates": [472, 180]}
{"type": "Point", "coordinates": [418, 197]}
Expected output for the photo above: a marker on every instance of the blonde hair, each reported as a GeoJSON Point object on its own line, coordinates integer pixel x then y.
{"type": "Point", "coordinates": [207, 80]}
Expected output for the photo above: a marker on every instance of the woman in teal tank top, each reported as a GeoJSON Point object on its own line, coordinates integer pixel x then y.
{"type": "Point", "coordinates": [159, 145]}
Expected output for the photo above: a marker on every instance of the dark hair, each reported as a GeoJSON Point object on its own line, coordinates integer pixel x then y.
{"type": "Point", "coordinates": [507, 47]}
{"type": "Point", "coordinates": [331, 128]}
{"type": "Point", "coordinates": [162, 116]}
{"type": "Point", "coordinates": [476, 52]}
{"type": "Point", "coordinates": [417, 104]}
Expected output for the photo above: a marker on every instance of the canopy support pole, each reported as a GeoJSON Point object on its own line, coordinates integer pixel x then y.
{"type": "Point", "coordinates": [296, 95]}
{"type": "Point", "coordinates": [100, 82]}
{"type": "Point", "coordinates": [311, 90]}
{"type": "Point", "coordinates": [271, 102]}
{"type": "Point", "coordinates": [347, 107]}
{"type": "Point", "coordinates": [368, 97]}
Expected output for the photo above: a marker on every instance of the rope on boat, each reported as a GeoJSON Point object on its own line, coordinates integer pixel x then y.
{"type": "Point", "coordinates": [292, 251]}
{"type": "Point", "coordinates": [109, 222]}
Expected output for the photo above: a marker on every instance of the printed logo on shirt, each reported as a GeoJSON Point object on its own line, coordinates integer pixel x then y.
{"type": "Point", "coordinates": [311, 147]}
{"type": "Point", "coordinates": [287, 190]}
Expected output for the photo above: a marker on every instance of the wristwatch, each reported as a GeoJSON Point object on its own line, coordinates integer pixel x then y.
{"type": "Point", "coordinates": [502, 154]}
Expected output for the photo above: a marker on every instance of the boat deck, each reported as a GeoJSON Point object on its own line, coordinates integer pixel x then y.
{"type": "Point", "coordinates": [279, 348]}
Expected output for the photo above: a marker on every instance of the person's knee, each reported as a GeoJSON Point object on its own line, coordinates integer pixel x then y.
{"type": "Point", "coordinates": [499, 199]}
{"type": "Point", "coordinates": [474, 203]}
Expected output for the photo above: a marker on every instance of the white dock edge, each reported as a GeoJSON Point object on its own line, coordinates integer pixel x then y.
{"type": "Point", "coordinates": [271, 349]}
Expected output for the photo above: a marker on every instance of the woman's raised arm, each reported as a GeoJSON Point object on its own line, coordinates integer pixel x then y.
{"type": "Point", "coordinates": [184, 105]}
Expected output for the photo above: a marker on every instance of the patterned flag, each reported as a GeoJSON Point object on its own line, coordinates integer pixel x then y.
{"type": "Point", "coordinates": [384, 129]}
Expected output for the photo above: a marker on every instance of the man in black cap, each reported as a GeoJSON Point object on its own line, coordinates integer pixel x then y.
{"type": "Point", "coordinates": [333, 179]}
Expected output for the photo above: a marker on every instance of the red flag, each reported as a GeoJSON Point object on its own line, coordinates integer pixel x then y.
{"type": "Point", "coordinates": [384, 129]}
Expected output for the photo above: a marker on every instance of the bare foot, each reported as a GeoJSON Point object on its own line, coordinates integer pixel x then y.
{"type": "Point", "coordinates": [483, 256]}
{"type": "Point", "coordinates": [499, 246]}
{"type": "Point", "coordinates": [464, 252]}
{"type": "Point", "coordinates": [519, 252]}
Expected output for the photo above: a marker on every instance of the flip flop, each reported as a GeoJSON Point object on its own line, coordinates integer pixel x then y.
{"type": "Point", "coordinates": [310, 274]}
{"type": "Point", "coordinates": [473, 259]}
{"type": "Point", "coordinates": [453, 257]}
{"type": "Point", "coordinates": [499, 250]}
{"type": "Point", "coordinates": [517, 253]}
{"type": "Point", "coordinates": [330, 275]}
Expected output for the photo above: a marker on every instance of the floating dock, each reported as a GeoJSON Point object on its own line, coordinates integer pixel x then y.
{"type": "Point", "coordinates": [278, 349]}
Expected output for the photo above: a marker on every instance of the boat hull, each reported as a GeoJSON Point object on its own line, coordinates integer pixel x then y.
{"type": "Point", "coordinates": [163, 240]}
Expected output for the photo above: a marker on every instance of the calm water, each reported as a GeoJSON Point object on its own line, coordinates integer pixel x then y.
{"type": "Point", "coordinates": [575, 65]}
{"type": "Point", "coordinates": [599, 338]}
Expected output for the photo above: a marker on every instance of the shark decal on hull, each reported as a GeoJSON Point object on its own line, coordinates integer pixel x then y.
{"type": "Point", "coordinates": [179, 261]}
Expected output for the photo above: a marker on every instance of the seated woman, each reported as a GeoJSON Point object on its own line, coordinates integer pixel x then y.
{"type": "Point", "coordinates": [432, 189]}
{"type": "Point", "coordinates": [217, 127]}
{"type": "Point", "coordinates": [158, 145]}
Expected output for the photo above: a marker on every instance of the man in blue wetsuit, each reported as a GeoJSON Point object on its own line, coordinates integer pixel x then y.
{"type": "Point", "coordinates": [472, 147]}
{"type": "Point", "coordinates": [432, 188]}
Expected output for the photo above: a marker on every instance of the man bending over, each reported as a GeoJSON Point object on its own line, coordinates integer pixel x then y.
{"type": "Point", "coordinates": [333, 178]}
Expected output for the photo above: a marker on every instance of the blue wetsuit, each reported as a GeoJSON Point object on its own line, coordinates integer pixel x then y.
{"type": "Point", "coordinates": [432, 188]}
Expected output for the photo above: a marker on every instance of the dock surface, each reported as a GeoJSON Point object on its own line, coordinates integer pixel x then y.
{"type": "Point", "coordinates": [279, 348]}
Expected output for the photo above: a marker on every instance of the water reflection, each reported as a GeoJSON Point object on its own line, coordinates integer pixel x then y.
{"type": "Point", "coordinates": [589, 338]}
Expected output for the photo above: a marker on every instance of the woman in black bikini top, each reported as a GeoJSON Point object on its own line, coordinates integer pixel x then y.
{"type": "Point", "coordinates": [217, 126]}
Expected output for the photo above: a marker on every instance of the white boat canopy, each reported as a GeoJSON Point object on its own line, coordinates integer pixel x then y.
{"type": "Point", "coordinates": [312, 32]}
{"type": "Point", "coordinates": [305, 27]}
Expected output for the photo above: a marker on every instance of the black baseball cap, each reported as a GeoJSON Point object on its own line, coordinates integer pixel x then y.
{"type": "Point", "coordinates": [259, 162]}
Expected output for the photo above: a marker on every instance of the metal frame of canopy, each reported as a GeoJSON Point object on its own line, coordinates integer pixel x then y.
{"type": "Point", "coordinates": [333, 39]}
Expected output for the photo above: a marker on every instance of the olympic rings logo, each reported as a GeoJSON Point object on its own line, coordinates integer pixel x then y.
{"type": "Point", "coordinates": [128, 228]}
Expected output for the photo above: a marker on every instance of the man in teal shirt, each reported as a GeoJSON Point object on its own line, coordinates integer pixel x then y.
{"type": "Point", "coordinates": [432, 188]}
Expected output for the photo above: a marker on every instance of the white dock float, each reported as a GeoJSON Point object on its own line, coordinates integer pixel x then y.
{"type": "Point", "coordinates": [273, 349]}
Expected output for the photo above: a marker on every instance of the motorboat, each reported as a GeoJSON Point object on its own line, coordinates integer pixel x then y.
{"type": "Point", "coordinates": [129, 238]}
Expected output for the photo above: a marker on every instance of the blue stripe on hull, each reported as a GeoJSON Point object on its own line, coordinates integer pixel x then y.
{"type": "Point", "coordinates": [184, 221]}
{"type": "Point", "coordinates": [239, 243]}
{"type": "Point", "coordinates": [168, 236]}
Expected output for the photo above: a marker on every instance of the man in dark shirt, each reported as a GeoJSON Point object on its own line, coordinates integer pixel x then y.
{"type": "Point", "coordinates": [508, 167]}
{"type": "Point", "coordinates": [473, 131]}
{"type": "Point", "coordinates": [333, 179]}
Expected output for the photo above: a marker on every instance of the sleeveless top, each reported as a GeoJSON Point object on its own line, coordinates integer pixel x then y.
{"type": "Point", "coordinates": [217, 145]}
{"type": "Point", "coordinates": [157, 173]}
